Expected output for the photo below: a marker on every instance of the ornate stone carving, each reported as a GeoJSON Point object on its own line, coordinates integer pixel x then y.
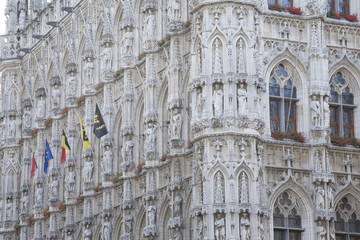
{"type": "Point", "coordinates": [219, 224]}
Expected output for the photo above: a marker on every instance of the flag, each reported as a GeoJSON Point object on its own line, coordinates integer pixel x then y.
{"type": "Point", "coordinates": [65, 147]}
{"type": "Point", "coordinates": [34, 166]}
{"type": "Point", "coordinates": [48, 156]}
{"type": "Point", "coordinates": [84, 137]}
{"type": "Point", "coordinates": [99, 124]}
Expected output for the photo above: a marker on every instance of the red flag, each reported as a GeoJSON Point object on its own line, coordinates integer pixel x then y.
{"type": "Point", "coordinates": [33, 166]}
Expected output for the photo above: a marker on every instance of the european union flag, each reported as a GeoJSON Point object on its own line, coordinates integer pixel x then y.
{"type": "Point", "coordinates": [48, 156]}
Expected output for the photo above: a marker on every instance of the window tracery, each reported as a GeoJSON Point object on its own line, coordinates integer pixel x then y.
{"type": "Point", "coordinates": [347, 224]}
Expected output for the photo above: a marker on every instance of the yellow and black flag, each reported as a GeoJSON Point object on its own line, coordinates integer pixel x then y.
{"type": "Point", "coordinates": [99, 124]}
{"type": "Point", "coordinates": [65, 147]}
{"type": "Point", "coordinates": [84, 137]}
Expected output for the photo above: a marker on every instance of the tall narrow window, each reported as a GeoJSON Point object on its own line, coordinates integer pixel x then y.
{"type": "Point", "coordinates": [341, 107]}
{"type": "Point", "coordinates": [282, 100]}
{"type": "Point", "coordinates": [286, 218]}
{"type": "Point", "coordinates": [339, 6]}
{"type": "Point", "coordinates": [347, 224]}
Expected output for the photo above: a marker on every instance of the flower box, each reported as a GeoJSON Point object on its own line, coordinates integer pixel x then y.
{"type": "Point", "coordinates": [189, 145]}
{"type": "Point", "coordinates": [296, 136]}
{"type": "Point", "coordinates": [355, 142]}
{"type": "Point", "coordinates": [139, 168]}
{"type": "Point", "coordinates": [48, 122]}
{"type": "Point", "coordinates": [98, 188]}
{"type": "Point", "coordinates": [163, 41]}
{"type": "Point", "coordinates": [30, 219]}
{"type": "Point", "coordinates": [295, 11]}
{"type": "Point", "coordinates": [62, 206]}
{"type": "Point", "coordinates": [80, 100]}
{"type": "Point", "coordinates": [80, 198]}
{"type": "Point", "coordinates": [64, 111]}
{"type": "Point", "coordinates": [20, 141]}
{"type": "Point", "coordinates": [186, 24]}
{"type": "Point", "coordinates": [342, 15]}
{"type": "Point", "coordinates": [46, 212]}
{"type": "Point", "coordinates": [116, 179]}
{"type": "Point", "coordinates": [33, 132]}
{"type": "Point", "coordinates": [340, 141]}
{"type": "Point", "coordinates": [17, 226]}
{"type": "Point", "coordinates": [141, 56]}
{"type": "Point", "coordinates": [99, 87]}
{"type": "Point", "coordinates": [118, 73]}
{"type": "Point", "coordinates": [291, 10]}
{"type": "Point", "coordinates": [164, 157]}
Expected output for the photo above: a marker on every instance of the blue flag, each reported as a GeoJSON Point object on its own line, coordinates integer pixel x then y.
{"type": "Point", "coordinates": [48, 156]}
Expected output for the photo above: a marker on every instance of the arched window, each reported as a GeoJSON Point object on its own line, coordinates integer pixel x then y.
{"type": "Point", "coordinates": [339, 6]}
{"type": "Point", "coordinates": [347, 224]}
{"type": "Point", "coordinates": [342, 106]}
{"type": "Point", "coordinates": [287, 220]}
{"type": "Point", "coordinates": [282, 100]}
{"type": "Point", "coordinates": [284, 3]}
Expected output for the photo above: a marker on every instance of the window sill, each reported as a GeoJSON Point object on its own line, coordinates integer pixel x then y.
{"type": "Point", "coordinates": [291, 10]}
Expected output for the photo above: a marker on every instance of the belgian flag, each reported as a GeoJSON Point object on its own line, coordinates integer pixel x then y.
{"type": "Point", "coordinates": [99, 124]}
{"type": "Point", "coordinates": [65, 147]}
{"type": "Point", "coordinates": [84, 137]}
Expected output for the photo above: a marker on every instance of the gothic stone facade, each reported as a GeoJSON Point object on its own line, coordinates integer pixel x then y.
{"type": "Point", "coordinates": [197, 108]}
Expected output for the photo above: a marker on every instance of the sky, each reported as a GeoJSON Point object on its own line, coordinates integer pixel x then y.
{"type": "Point", "coordinates": [2, 17]}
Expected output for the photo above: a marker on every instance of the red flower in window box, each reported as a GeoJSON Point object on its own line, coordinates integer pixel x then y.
{"type": "Point", "coordinates": [33, 132]}
{"type": "Point", "coordinates": [98, 188]}
{"type": "Point", "coordinates": [46, 212]}
{"type": "Point", "coordinates": [64, 111]}
{"type": "Point", "coordinates": [30, 219]}
{"type": "Point", "coordinates": [80, 198]}
{"type": "Point", "coordinates": [80, 100]}
{"type": "Point", "coordinates": [340, 141]}
{"type": "Point", "coordinates": [139, 168]}
{"type": "Point", "coordinates": [62, 206]}
{"type": "Point", "coordinates": [48, 122]}
{"type": "Point", "coordinates": [187, 23]}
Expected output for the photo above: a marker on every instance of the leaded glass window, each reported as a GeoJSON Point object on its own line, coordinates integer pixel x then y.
{"type": "Point", "coordinates": [282, 100]}
{"type": "Point", "coordinates": [286, 218]}
{"type": "Point", "coordinates": [339, 6]}
{"type": "Point", "coordinates": [342, 106]}
{"type": "Point", "coordinates": [284, 3]}
{"type": "Point", "coordinates": [347, 224]}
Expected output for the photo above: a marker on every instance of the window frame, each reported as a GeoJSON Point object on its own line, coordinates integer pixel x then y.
{"type": "Point", "coordinates": [286, 229]}
{"type": "Point", "coordinates": [334, 5]}
{"type": "Point", "coordinates": [279, 2]}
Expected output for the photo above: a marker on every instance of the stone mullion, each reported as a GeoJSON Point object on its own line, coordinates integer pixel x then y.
{"type": "Point", "coordinates": [128, 211]}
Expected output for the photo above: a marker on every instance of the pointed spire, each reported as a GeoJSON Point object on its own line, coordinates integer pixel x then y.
{"type": "Point", "coordinates": [127, 19]}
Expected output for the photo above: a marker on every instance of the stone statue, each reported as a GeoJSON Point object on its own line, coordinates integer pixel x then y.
{"type": "Point", "coordinates": [24, 203]}
{"type": "Point", "coordinates": [106, 56]}
{"type": "Point", "coordinates": [39, 196]}
{"type": "Point", "coordinates": [242, 100]}
{"type": "Point", "coordinates": [332, 230]}
{"type": "Point", "coordinates": [199, 229]}
{"type": "Point", "coordinates": [173, 10]}
{"type": "Point", "coordinates": [107, 160]}
{"type": "Point", "coordinates": [151, 215]}
{"type": "Point", "coordinates": [9, 209]}
{"type": "Point", "coordinates": [87, 233]}
{"type": "Point", "coordinates": [12, 127]}
{"type": "Point", "coordinates": [71, 85]}
{"type": "Point", "coordinates": [88, 72]}
{"type": "Point", "coordinates": [321, 231]}
{"type": "Point", "coordinates": [56, 96]}
{"type": "Point", "coordinates": [176, 124]}
{"type": "Point", "coordinates": [149, 28]}
{"type": "Point", "coordinates": [219, 190]}
{"type": "Point", "coordinates": [177, 235]}
{"type": "Point", "coordinates": [217, 61]}
{"type": "Point", "coordinates": [128, 43]}
{"type": "Point", "coordinates": [326, 117]}
{"type": "Point", "coordinates": [199, 102]}
{"type": "Point", "coordinates": [315, 112]}
{"type": "Point", "coordinates": [106, 230]}
{"type": "Point", "coordinates": [318, 162]}
{"type": "Point", "coordinates": [70, 181]}
{"type": "Point", "coordinates": [128, 223]}
{"type": "Point", "coordinates": [41, 110]}
{"type": "Point", "coordinates": [245, 227]}
{"type": "Point", "coordinates": [127, 149]}
{"type": "Point", "coordinates": [218, 100]}
{"type": "Point", "coordinates": [219, 227]}
{"type": "Point", "coordinates": [53, 189]}
{"type": "Point", "coordinates": [27, 120]}
{"type": "Point", "coordinates": [87, 171]}
{"type": "Point", "coordinates": [177, 205]}
{"type": "Point", "coordinates": [320, 197]}
{"type": "Point", "coordinates": [330, 197]}
{"type": "Point", "coordinates": [150, 137]}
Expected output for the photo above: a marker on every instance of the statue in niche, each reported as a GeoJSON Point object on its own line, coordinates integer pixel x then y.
{"type": "Point", "coordinates": [315, 112]}
{"type": "Point", "coordinates": [150, 26]}
{"type": "Point", "coordinates": [12, 127]}
{"type": "Point", "coordinates": [245, 227]}
{"type": "Point", "coordinates": [71, 86]}
{"type": "Point", "coordinates": [321, 231]}
{"type": "Point", "coordinates": [218, 100]}
{"type": "Point", "coordinates": [27, 120]}
{"type": "Point", "coordinates": [56, 96]}
{"type": "Point", "coordinates": [177, 205]}
{"type": "Point", "coordinates": [173, 10]}
{"type": "Point", "coordinates": [70, 181]}
{"type": "Point", "coordinates": [24, 203]}
{"type": "Point", "coordinates": [127, 149]}
{"type": "Point", "coordinates": [150, 137]}
{"type": "Point", "coordinates": [128, 223]}
{"type": "Point", "coordinates": [219, 225]}
{"type": "Point", "coordinates": [106, 56]}
{"type": "Point", "coordinates": [199, 102]}
{"type": "Point", "coordinates": [258, 103]}
{"type": "Point", "coordinates": [151, 215]}
{"type": "Point", "coordinates": [199, 228]}
{"type": "Point", "coordinates": [107, 160]}
{"type": "Point", "coordinates": [107, 230]}
{"type": "Point", "coordinates": [87, 232]}
{"type": "Point", "coordinates": [88, 72]}
{"type": "Point", "coordinates": [326, 112]}
{"type": "Point", "coordinates": [244, 195]}
{"type": "Point", "coordinates": [9, 209]}
{"type": "Point", "coordinates": [330, 197]}
{"type": "Point", "coordinates": [128, 43]}
{"type": "Point", "coordinates": [53, 189]}
{"type": "Point", "coordinates": [176, 124]}
{"type": "Point", "coordinates": [242, 100]}
{"type": "Point", "coordinates": [332, 230]}
{"type": "Point", "coordinates": [39, 196]}
{"type": "Point", "coordinates": [219, 189]}
{"type": "Point", "coordinates": [320, 194]}
{"type": "Point", "coordinates": [87, 171]}
{"type": "Point", "coordinates": [217, 64]}
{"type": "Point", "coordinates": [177, 235]}
{"type": "Point", "coordinates": [41, 110]}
